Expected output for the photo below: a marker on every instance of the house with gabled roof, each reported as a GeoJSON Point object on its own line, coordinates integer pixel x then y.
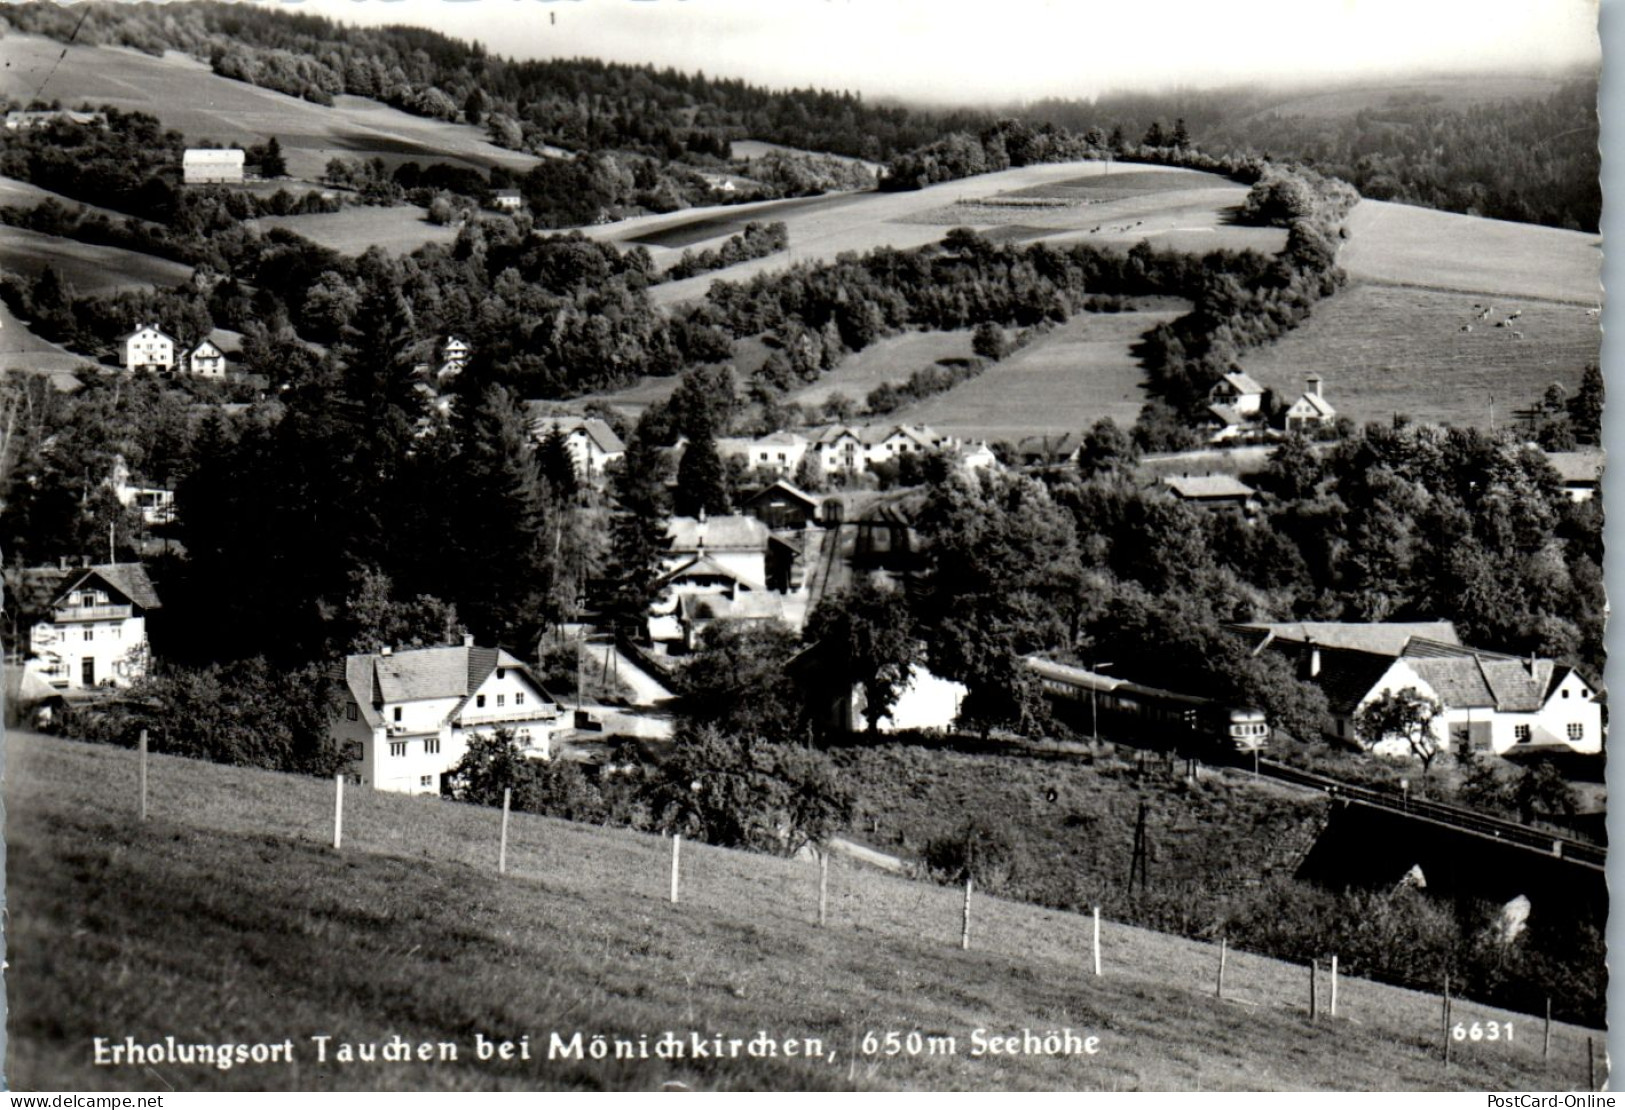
{"type": "Point", "coordinates": [206, 360]}
{"type": "Point", "coordinates": [1212, 491]}
{"type": "Point", "coordinates": [147, 348]}
{"type": "Point", "coordinates": [1238, 392]}
{"type": "Point", "coordinates": [592, 443]}
{"type": "Point", "coordinates": [851, 448]}
{"type": "Point", "coordinates": [778, 453]}
{"type": "Point", "coordinates": [1579, 471]}
{"type": "Point", "coordinates": [91, 628]}
{"type": "Point", "coordinates": [783, 507]}
{"type": "Point", "coordinates": [1309, 411]}
{"type": "Point", "coordinates": [405, 717]}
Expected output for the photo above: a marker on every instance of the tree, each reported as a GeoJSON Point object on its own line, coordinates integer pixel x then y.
{"type": "Point", "coordinates": [979, 850]}
{"type": "Point", "coordinates": [1586, 406]}
{"type": "Point", "coordinates": [737, 681]}
{"type": "Point", "coordinates": [376, 619]}
{"type": "Point", "coordinates": [1407, 715]}
{"type": "Point", "coordinates": [637, 531]}
{"type": "Point", "coordinates": [492, 763]}
{"type": "Point", "coordinates": [272, 164]}
{"type": "Point", "coordinates": [557, 464]}
{"type": "Point", "coordinates": [702, 483]}
{"type": "Point", "coordinates": [866, 636]}
{"type": "Point", "coordinates": [1106, 449]}
{"type": "Point", "coordinates": [1543, 789]}
{"type": "Point", "coordinates": [989, 341]}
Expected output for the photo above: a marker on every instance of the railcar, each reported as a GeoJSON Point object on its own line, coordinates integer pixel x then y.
{"type": "Point", "coordinates": [1089, 699]}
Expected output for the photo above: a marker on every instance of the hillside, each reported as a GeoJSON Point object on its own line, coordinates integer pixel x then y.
{"type": "Point", "coordinates": [227, 918]}
{"type": "Point", "coordinates": [183, 93]}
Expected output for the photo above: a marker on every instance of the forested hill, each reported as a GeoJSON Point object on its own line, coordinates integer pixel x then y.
{"type": "Point", "coordinates": [578, 104]}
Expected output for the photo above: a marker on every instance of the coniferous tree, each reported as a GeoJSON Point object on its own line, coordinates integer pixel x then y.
{"type": "Point", "coordinates": [637, 532]}
{"type": "Point", "coordinates": [702, 481]}
{"type": "Point", "coordinates": [272, 164]}
{"type": "Point", "coordinates": [558, 465]}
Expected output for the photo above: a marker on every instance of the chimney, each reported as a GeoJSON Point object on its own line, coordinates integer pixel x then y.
{"type": "Point", "coordinates": [1531, 664]}
{"type": "Point", "coordinates": [386, 650]}
{"type": "Point", "coordinates": [1314, 384]}
{"type": "Point", "coordinates": [468, 639]}
{"type": "Point", "coordinates": [1311, 658]}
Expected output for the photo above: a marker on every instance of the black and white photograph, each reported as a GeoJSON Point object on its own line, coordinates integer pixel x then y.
{"type": "Point", "coordinates": [850, 545]}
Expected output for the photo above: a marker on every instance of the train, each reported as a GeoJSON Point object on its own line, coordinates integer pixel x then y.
{"type": "Point", "coordinates": [1089, 700]}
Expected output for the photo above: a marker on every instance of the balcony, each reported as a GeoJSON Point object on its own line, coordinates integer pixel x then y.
{"type": "Point", "coordinates": [69, 613]}
{"type": "Point", "coordinates": [541, 713]}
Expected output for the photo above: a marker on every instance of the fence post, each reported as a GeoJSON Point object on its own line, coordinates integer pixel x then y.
{"type": "Point", "coordinates": [1446, 1012]}
{"type": "Point", "coordinates": [823, 886]}
{"type": "Point", "coordinates": [1331, 1010]}
{"type": "Point", "coordinates": [338, 811]}
{"type": "Point", "coordinates": [676, 852]}
{"type": "Point", "coordinates": [502, 851]}
{"type": "Point", "coordinates": [1097, 941]}
{"type": "Point", "coordinates": [964, 928]}
{"type": "Point", "coordinates": [1224, 945]}
{"type": "Point", "coordinates": [1591, 1066]}
{"type": "Point", "coordinates": [1546, 1044]}
{"type": "Point", "coordinates": [143, 760]}
{"type": "Point", "coordinates": [1314, 1000]}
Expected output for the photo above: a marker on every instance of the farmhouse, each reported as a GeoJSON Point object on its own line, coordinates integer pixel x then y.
{"type": "Point", "coordinates": [778, 453]}
{"type": "Point", "coordinates": [1213, 491]}
{"type": "Point", "coordinates": [92, 629]}
{"type": "Point", "coordinates": [405, 718]}
{"type": "Point", "coordinates": [1050, 450]}
{"type": "Point", "coordinates": [1581, 472]}
{"type": "Point", "coordinates": [1378, 637]}
{"type": "Point", "coordinates": [850, 449]}
{"type": "Point", "coordinates": [30, 121]}
{"type": "Point", "coordinates": [147, 348]}
{"type": "Point", "coordinates": [1238, 392]}
{"type": "Point", "coordinates": [206, 360]}
{"type": "Point", "coordinates": [206, 166]}
{"type": "Point", "coordinates": [1493, 703]}
{"type": "Point", "coordinates": [508, 200]}
{"type": "Point", "coordinates": [592, 444]}
{"type": "Point", "coordinates": [783, 507]}
{"type": "Point", "coordinates": [454, 354]}
{"type": "Point", "coordinates": [1309, 411]}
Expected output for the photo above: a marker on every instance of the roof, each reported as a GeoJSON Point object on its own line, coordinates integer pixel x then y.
{"type": "Point", "coordinates": [514, 193]}
{"type": "Point", "coordinates": [207, 348]}
{"type": "Point", "coordinates": [1383, 638]}
{"type": "Point", "coordinates": [1316, 402]}
{"type": "Point", "coordinates": [781, 486]}
{"type": "Point", "coordinates": [718, 533]}
{"type": "Point", "coordinates": [154, 328]}
{"type": "Point", "coordinates": [703, 566]}
{"type": "Point", "coordinates": [601, 434]}
{"type": "Point", "coordinates": [1578, 467]}
{"type": "Point", "coordinates": [747, 606]}
{"type": "Point", "coordinates": [1226, 415]}
{"type": "Point", "coordinates": [127, 579]}
{"type": "Point", "coordinates": [1242, 383]}
{"type": "Point", "coordinates": [1209, 487]}
{"type": "Point", "coordinates": [1347, 676]}
{"type": "Point", "coordinates": [421, 674]}
{"type": "Point", "coordinates": [1061, 447]}
{"type": "Point", "coordinates": [1076, 676]}
{"type": "Point", "coordinates": [200, 155]}
{"type": "Point", "coordinates": [871, 434]}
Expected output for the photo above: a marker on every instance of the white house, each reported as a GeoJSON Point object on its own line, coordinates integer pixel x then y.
{"type": "Point", "coordinates": [778, 453]}
{"type": "Point", "coordinates": [206, 360]}
{"type": "Point", "coordinates": [592, 443]}
{"type": "Point", "coordinates": [405, 717]}
{"type": "Point", "coordinates": [508, 200]}
{"type": "Point", "coordinates": [454, 354]}
{"type": "Point", "coordinates": [1580, 471]}
{"type": "Point", "coordinates": [738, 544]}
{"type": "Point", "coordinates": [147, 348]}
{"type": "Point", "coordinates": [156, 505]}
{"type": "Point", "coordinates": [96, 630]}
{"type": "Point", "coordinates": [844, 448]}
{"type": "Point", "coordinates": [207, 166]}
{"type": "Point", "coordinates": [1238, 391]}
{"type": "Point", "coordinates": [1310, 410]}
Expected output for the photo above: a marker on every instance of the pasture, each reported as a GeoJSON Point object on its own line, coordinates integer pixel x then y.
{"type": "Point", "coordinates": [87, 267]}
{"type": "Point", "coordinates": [747, 150]}
{"type": "Point", "coordinates": [21, 349]}
{"type": "Point", "coordinates": [1404, 245]}
{"type": "Point", "coordinates": [1191, 211]}
{"type": "Point", "coordinates": [1062, 382]}
{"type": "Point", "coordinates": [889, 360]}
{"type": "Point", "coordinates": [1386, 349]}
{"type": "Point", "coordinates": [183, 93]}
{"type": "Point", "coordinates": [400, 229]}
{"type": "Point", "coordinates": [227, 918]}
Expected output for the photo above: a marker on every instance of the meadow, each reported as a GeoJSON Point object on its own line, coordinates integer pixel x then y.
{"type": "Point", "coordinates": [227, 917]}
{"type": "Point", "coordinates": [88, 267]}
{"type": "Point", "coordinates": [886, 361]}
{"type": "Point", "coordinates": [1062, 382]}
{"type": "Point", "coordinates": [1404, 245]}
{"type": "Point", "coordinates": [400, 228]}
{"type": "Point", "coordinates": [183, 93]}
{"type": "Point", "coordinates": [1386, 349]}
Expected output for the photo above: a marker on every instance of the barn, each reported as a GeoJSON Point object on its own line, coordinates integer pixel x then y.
{"type": "Point", "coordinates": [206, 166]}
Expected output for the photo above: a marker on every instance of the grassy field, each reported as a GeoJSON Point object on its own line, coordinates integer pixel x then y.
{"type": "Point", "coordinates": [891, 359]}
{"type": "Point", "coordinates": [1062, 382]}
{"type": "Point", "coordinates": [226, 918]}
{"type": "Point", "coordinates": [88, 267]}
{"type": "Point", "coordinates": [1404, 245]}
{"type": "Point", "coordinates": [1450, 93]}
{"type": "Point", "coordinates": [400, 229]}
{"type": "Point", "coordinates": [749, 149]}
{"type": "Point", "coordinates": [1384, 349]}
{"type": "Point", "coordinates": [1193, 210]}
{"type": "Point", "coordinates": [184, 94]}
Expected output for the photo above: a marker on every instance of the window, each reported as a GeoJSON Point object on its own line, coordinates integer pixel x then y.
{"type": "Point", "coordinates": [1577, 731]}
{"type": "Point", "coordinates": [502, 672]}
{"type": "Point", "coordinates": [426, 780]}
{"type": "Point", "coordinates": [519, 698]}
{"type": "Point", "coordinates": [479, 701]}
{"type": "Point", "coordinates": [1565, 692]}
{"type": "Point", "coordinates": [397, 747]}
{"type": "Point", "coordinates": [431, 745]}
{"type": "Point", "coordinates": [397, 712]}
{"type": "Point", "coordinates": [351, 712]}
{"type": "Point", "coordinates": [524, 736]}
{"type": "Point", "coordinates": [502, 700]}
{"type": "Point", "coordinates": [90, 634]}
{"type": "Point", "coordinates": [1521, 733]}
